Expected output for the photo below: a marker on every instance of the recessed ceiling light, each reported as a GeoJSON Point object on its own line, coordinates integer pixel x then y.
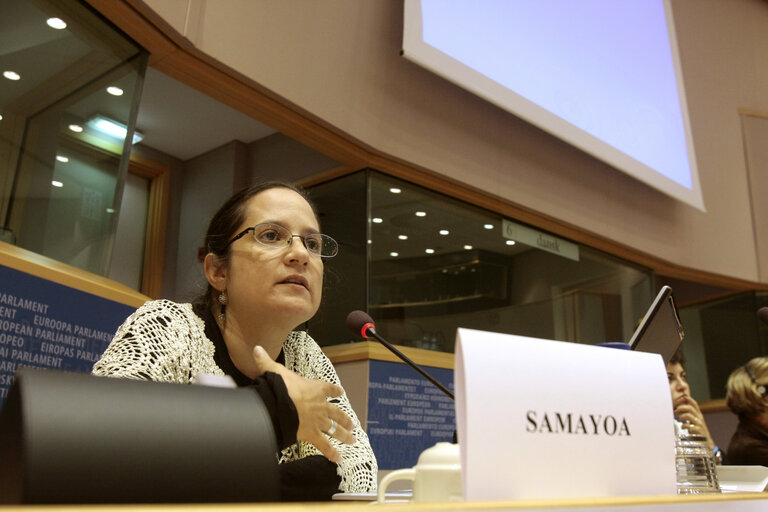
{"type": "Point", "coordinates": [370, 242]}
{"type": "Point", "coordinates": [1, 117]}
{"type": "Point", "coordinates": [62, 159]}
{"type": "Point", "coordinates": [488, 226]}
{"type": "Point", "coordinates": [57, 23]}
{"type": "Point", "coordinates": [510, 242]}
{"type": "Point", "coordinates": [57, 183]}
{"type": "Point", "coordinates": [402, 237]}
{"type": "Point", "coordinates": [76, 128]}
{"type": "Point", "coordinates": [114, 90]}
{"type": "Point", "coordinates": [110, 210]}
{"type": "Point", "coordinates": [395, 190]}
{"type": "Point", "coordinates": [429, 251]}
{"type": "Point", "coordinates": [377, 220]}
{"type": "Point", "coordinates": [468, 247]}
{"type": "Point", "coordinates": [444, 232]}
{"type": "Point", "coordinates": [11, 75]}
{"type": "Point", "coordinates": [394, 254]}
{"type": "Point", "coordinates": [421, 214]}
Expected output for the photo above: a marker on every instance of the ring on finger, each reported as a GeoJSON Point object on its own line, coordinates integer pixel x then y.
{"type": "Point", "coordinates": [332, 429]}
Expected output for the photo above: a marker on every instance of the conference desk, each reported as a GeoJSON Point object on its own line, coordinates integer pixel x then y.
{"type": "Point", "coordinates": [747, 502]}
{"type": "Point", "coordinates": [358, 356]}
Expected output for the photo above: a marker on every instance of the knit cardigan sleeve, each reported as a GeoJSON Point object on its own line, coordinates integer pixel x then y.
{"type": "Point", "coordinates": [358, 467]}
{"type": "Point", "coordinates": [161, 341]}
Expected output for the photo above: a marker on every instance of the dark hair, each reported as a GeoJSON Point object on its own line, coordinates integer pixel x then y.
{"type": "Point", "coordinates": [678, 357]}
{"type": "Point", "coordinates": [231, 215]}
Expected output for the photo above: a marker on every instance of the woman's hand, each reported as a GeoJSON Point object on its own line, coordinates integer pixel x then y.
{"type": "Point", "coordinates": [317, 417]}
{"type": "Point", "coordinates": [687, 411]}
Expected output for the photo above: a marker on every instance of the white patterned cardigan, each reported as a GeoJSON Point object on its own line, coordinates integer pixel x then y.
{"type": "Point", "coordinates": [165, 341]}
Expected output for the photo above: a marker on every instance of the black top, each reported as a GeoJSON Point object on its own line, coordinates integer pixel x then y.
{"type": "Point", "coordinates": [312, 478]}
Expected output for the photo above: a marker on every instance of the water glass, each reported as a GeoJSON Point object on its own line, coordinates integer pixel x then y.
{"type": "Point", "coordinates": [696, 473]}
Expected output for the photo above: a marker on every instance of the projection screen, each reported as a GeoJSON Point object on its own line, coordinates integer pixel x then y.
{"type": "Point", "coordinates": [602, 75]}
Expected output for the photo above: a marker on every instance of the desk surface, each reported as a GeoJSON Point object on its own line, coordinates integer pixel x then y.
{"type": "Point", "coordinates": [719, 502]}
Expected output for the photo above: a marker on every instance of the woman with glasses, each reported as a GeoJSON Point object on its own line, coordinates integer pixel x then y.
{"type": "Point", "coordinates": [747, 397]}
{"type": "Point", "coordinates": [264, 267]}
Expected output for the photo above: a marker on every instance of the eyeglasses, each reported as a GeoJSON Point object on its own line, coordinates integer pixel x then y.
{"type": "Point", "coordinates": [276, 236]}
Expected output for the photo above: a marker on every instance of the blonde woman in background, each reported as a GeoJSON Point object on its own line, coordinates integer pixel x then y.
{"type": "Point", "coordinates": [747, 388]}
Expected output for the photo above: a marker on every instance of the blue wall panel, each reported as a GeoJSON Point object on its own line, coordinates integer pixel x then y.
{"type": "Point", "coordinates": [48, 325]}
{"type": "Point", "coordinates": [406, 413]}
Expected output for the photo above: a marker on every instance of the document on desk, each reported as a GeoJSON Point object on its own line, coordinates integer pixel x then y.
{"type": "Point", "coordinates": [546, 419]}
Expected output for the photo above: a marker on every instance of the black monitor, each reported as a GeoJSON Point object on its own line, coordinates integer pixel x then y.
{"type": "Point", "coordinates": [660, 330]}
{"type": "Point", "coordinates": [77, 438]}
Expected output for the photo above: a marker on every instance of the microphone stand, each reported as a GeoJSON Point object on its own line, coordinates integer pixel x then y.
{"type": "Point", "coordinates": [410, 363]}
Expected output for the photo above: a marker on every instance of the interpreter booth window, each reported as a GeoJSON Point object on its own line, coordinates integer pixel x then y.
{"type": "Point", "coordinates": [720, 336]}
{"type": "Point", "coordinates": [68, 100]}
{"type": "Point", "coordinates": [433, 263]}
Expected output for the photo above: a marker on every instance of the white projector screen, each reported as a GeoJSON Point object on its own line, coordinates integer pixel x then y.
{"type": "Point", "coordinates": [603, 75]}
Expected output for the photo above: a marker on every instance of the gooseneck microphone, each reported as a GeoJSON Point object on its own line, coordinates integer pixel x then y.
{"type": "Point", "coordinates": [762, 314]}
{"type": "Point", "coordinates": [359, 322]}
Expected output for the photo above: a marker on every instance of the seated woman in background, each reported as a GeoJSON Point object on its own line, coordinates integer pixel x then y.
{"type": "Point", "coordinates": [746, 397]}
{"type": "Point", "coordinates": [686, 409]}
{"type": "Point", "coordinates": [265, 277]}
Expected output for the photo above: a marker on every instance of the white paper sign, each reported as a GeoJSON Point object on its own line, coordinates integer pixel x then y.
{"type": "Point", "coordinates": [546, 419]}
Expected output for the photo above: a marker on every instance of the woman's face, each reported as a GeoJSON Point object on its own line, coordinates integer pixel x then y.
{"type": "Point", "coordinates": [678, 381]}
{"type": "Point", "coordinates": [275, 284]}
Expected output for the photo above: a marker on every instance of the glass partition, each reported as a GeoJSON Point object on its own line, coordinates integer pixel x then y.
{"type": "Point", "coordinates": [720, 336]}
{"type": "Point", "coordinates": [68, 100]}
{"type": "Point", "coordinates": [434, 263]}
{"type": "Point", "coordinates": [342, 205]}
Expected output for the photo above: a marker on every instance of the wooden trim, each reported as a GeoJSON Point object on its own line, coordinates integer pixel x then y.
{"type": "Point", "coordinates": [753, 113]}
{"type": "Point", "coordinates": [157, 220]}
{"type": "Point", "coordinates": [61, 273]}
{"type": "Point", "coordinates": [677, 502]}
{"type": "Point", "coordinates": [717, 405]}
{"type": "Point", "coordinates": [367, 350]}
{"type": "Point", "coordinates": [327, 175]}
{"type": "Point", "coordinates": [173, 54]}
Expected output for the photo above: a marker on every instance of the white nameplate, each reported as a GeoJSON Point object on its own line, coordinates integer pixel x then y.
{"type": "Point", "coordinates": [546, 419]}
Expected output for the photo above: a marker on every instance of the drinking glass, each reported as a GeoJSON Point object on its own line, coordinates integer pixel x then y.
{"type": "Point", "coordinates": [696, 473]}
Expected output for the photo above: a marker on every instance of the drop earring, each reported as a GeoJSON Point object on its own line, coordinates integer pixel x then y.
{"type": "Point", "coordinates": [222, 300]}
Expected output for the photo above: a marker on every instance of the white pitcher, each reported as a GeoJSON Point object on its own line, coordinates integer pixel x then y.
{"type": "Point", "coordinates": [436, 476]}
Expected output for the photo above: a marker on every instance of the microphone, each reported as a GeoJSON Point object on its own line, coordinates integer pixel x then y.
{"type": "Point", "coordinates": [359, 322]}
{"type": "Point", "coordinates": [762, 315]}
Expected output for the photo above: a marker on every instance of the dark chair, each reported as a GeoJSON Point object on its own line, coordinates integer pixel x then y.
{"type": "Point", "coordinates": [76, 438]}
